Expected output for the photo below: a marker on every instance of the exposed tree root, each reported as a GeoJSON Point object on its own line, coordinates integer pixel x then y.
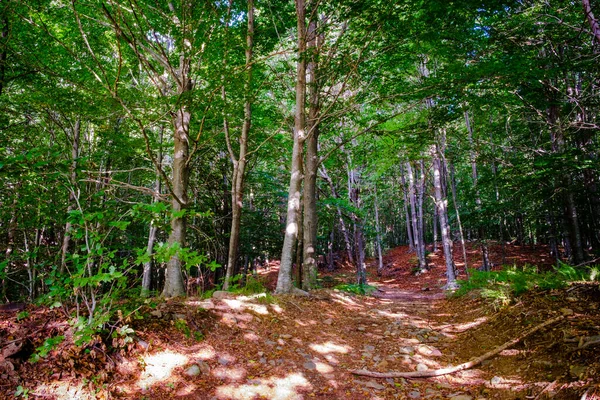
{"type": "Point", "coordinates": [461, 367]}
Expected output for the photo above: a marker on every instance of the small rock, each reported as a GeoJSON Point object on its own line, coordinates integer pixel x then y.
{"type": "Point", "coordinates": [224, 361]}
{"type": "Point", "coordinates": [156, 313]}
{"type": "Point", "coordinates": [361, 328]}
{"type": "Point", "coordinates": [496, 380]}
{"type": "Point", "coordinates": [310, 365]}
{"type": "Point", "coordinates": [377, 358]}
{"type": "Point", "coordinates": [261, 353]}
{"type": "Point", "coordinates": [428, 351]}
{"type": "Point", "coordinates": [572, 299]}
{"type": "Point", "coordinates": [461, 397]}
{"type": "Point", "coordinates": [178, 316]}
{"type": "Point", "coordinates": [422, 367]}
{"type": "Point", "coordinates": [367, 355]}
{"type": "Point", "coordinates": [328, 321]}
{"type": "Point", "coordinates": [369, 348]}
{"type": "Point", "coordinates": [415, 394]}
{"type": "Point", "coordinates": [374, 385]}
{"type": "Point", "coordinates": [285, 336]}
{"type": "Point", "coordinates": [204, 367]}
{"type": "Point", "coordinates": [206, 304]}
{"type": "Point", "coordinates": [566, 311]}
{"type": "Point", "coordinates": [262, 360]}
{"type": "Point", "coordinates": [270, 343]}
{"type": "Point", "coordinates": [194, 370]}
{"type": "Point", "coordinates": [406, 350]}
{"type": "Point", "coordinates": [221, 294]}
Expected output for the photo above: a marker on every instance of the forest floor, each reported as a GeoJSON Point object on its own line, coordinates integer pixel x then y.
{"type": "Point", "coordinates": [264, 347]}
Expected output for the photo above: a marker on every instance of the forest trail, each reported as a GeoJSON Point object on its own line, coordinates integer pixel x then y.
{"type": "Point", "coordinates": [257, 347]}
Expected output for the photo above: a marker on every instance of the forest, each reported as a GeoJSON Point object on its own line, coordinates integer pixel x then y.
{"type": "Point", "coordinates": [292, 199]}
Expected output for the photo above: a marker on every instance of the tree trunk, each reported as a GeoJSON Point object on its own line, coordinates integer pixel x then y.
{"type": "Point", "coordinates": [587, 9]}
{"type": "Point", "coordinates": [441, 204]}
{"type": "Point", "coordinates": [239, 164]}
{"type": "Point", "coordinates": [309, 265]}
{"type": "Point", "coordinates": [147, 272]}
{"type": "Point", "coordinates": [378, 237]}
{"type": "Point", "coordinates": [481, 230]}
{"type": "Point", "coordinates": [73, 180]}
{"type": "Point", "coordinates": [284, 278]}
{"type": "Point", "coordinates": [343, 227]}
{"type": "Point", "coordinates": [460, 229]}
{"type": "Point", "coordinates": [354, 183]}
{"type": "Point", "coordinates": [422, 263]}
{"type": "Point", "coordinates": [181, 124]}
{"type": "Point", "coordinates": [409, 231]}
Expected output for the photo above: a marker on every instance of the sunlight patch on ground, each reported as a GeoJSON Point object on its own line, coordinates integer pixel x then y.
{"type": "Point", "coordinates": [345, 300]}
{"type": "Point", "coordinates": [62, 390]}
{"type": "Point", "coordinates": [323, 368]}
{"type": "Point", "coordinates": [159, 367]}
{"type": "Point", "coordinates": [243, 303]}
{"type": "Point", "coordinates": [389, 314]}
{"type": "Point", "coordinates": [230, 374]}
{"type": "Point", "coordinates": [206, 352]}
{"type": "Point", "coordinates": [330, 347]}
{"type": "Point", "coordinates": [277, 308]}
{"type": "Point", "coordinates": [187, 390]}
{"type": "Point", "coordinates": [274, 388]}
{"type": "Point", "coordinates": [459, 328]}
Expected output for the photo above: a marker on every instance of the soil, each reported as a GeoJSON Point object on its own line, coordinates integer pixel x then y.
{"type": "Point", "coordinates": [290, 347]}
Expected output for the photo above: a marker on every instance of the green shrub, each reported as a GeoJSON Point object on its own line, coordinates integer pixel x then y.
{"type": "Point", "coordinates": [501, 286]}
{"type": "Point", "coordinates": [355, 288]}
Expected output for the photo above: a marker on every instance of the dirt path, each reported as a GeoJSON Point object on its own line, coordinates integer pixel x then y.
{"type": "Point", "coordinates": [260, 347]}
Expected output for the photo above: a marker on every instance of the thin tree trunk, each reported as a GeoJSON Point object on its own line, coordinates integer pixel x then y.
{"type": "Point", "coordinates": [73, 181]}
{"type": "Point", "coordinates": [415, 226]}
{"type": "Point", "coordinates": [147, 272]}
{"type": "Point", "coordinates": [343, 227]}
{"type": "Point", "coordinates": [483, 244]}
{"type": "Point", "coordinates": [420, 207]}
{"type": "Point", "coordinates": [239, 164]}
{"type": "Point", "coordinates": [4, 53]}
{"type": "Point", "coordinates": [284, 278]}
{"type": "Point", "coordinates": [442, 205]}
{"type": "Point", "coordinates": [587, 9]}
{"type": "Point", "coordinates": [409, 231]}
{"type": "Point", "coordinates": [378, 237]}
{"type": "Point", "coordinates": [354, 183]}
{"type": "Point", "coordinates": [460, 229]}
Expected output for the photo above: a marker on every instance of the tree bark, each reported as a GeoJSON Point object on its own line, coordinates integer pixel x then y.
{"type": "Point", "coordinates": [587, 9]}
{"type": "Point", "coordinates": [460, 229]}
{"type": "Point", "coordinates": [284, 278]}
{"type": "Point", "coordinates": [147, 271]}
{"type": "Point", "coordinates": [422, 263]}
{"type": "Point", "coordinates": [343, 227]}
{"type": "Point", "coordinates": [441, 204]}
{"type": "Point", "coordinates": [409, 231]}
{"type": "Point", "coordinates": [73, 181]}
{"type": "Point", "coordinates": [181, 125]}
{"type": "Point", "coordinates": [309, 265]}
{"type": "Point", "coordinates": [378, 237]}
{"type": "Point", "coordinates": [239, 164]}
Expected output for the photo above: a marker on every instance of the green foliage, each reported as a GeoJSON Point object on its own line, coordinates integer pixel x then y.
{"type": "Point", "coordinates": [49, 345]}
{"type": "Point", "coordinates": [22, 392]}
{"type": "Point", "coordinates": [502, 286]}
{"type": "Point", "coordinates": [359, 289]}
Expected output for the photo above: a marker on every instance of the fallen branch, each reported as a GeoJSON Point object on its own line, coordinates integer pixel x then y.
{"type": "Point", "coordinates": [461, 367]}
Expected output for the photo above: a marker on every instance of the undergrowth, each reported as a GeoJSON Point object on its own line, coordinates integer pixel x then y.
{"type": "Point", "coordinates": [355, 288]}
{"type": "Point", "coordinates": [504, 285]}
